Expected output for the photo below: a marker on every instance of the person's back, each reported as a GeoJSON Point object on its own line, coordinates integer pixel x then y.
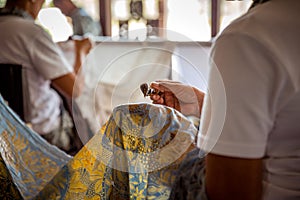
{"type": "Point", "coordinates": [282, 156]}
{"type": "Point", "coordinates": [27, 44]}
{"type": "Point", "coordinates": [23, 43]}
{"type": "Point", "coordinates": [250, 117]}
{"type": "Point", "coordinates": [258, 58]}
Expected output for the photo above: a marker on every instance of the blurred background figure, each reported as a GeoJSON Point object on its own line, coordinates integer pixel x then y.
{"type": "Point", "coordinates": [44, 69]}
{"type": "Point", "coordinates": [82, 22]}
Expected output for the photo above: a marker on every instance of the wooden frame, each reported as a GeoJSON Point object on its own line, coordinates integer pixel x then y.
{"type": "Point", "coordinates": [105, 16]}
{"type": "Point", "coordinates": [215, 17]}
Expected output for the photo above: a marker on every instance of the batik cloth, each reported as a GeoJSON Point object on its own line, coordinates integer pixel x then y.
{"type": "Point", "coordinates": [8, 188]}
{"type": "Point", "coordinates": [136, 155]}
{"type": "Point", "coordinates": [140, 153]}
{"type": "Point", "coordinates": [31, 161]}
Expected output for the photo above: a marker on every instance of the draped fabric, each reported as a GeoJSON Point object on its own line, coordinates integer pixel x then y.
{"type": "Point", "coordinates": [136, 155]}
{"type": "Point", "coordinates": [190, 183]}
{"type": "Point", "coordinates": [31, 161]}
{"type": "Point", "coordinates": [8, 188]}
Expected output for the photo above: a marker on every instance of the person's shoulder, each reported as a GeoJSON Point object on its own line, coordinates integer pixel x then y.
{"type": "Point", "coordinates": [266, 19]}
{"type": "Point", "coordinates": [26, 26]}
{"type": "Point", "coordinates": [249, 27]}
{"type": "Point", "coordinates": [243, 25]}
{"type": "Point", "coordinates": [36, 31]}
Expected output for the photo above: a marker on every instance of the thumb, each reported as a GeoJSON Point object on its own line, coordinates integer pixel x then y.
{"type": "Point", "coordinates": [182, 92]}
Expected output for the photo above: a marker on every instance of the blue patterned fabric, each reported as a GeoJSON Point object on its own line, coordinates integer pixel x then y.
{"type": "Point", "coordinates": [8, 188]}
{"type": "Point", "coordinates": [136, 155]}
{"type": "Point", "coordinates": [140, 153]}
{"type": "Point", "coordinates": [190, 183]}
{"type": "Point", "coordinates": [31, 161]}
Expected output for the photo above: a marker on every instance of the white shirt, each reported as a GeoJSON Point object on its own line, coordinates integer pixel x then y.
{"type": "Point", "coordinates": [25, 43]}
{"type": "Point", "coordinates": [258, 57]}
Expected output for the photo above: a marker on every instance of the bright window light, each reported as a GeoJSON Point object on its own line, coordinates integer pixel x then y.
{"type": "Point", "coordinates": [56, 23]}
{"type": "Point", "coordinates": [189, 18]}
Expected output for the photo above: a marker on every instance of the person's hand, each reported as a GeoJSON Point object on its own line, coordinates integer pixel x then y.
{"type": "Point", "coordinates": [82, 45]}
{"type": "Point", "coordinates": [184, 98]}
{"type": "Point", "coordinates": [82, 48]}
{"type": "Point", "coordinates": [66, 6]}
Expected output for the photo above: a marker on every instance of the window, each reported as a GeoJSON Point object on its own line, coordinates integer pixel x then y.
{"type": "Point", "coordinates": [55, 23]}
{"type": "Point", "coordinates": [197, 20]}
{"type": "Point", "coordinates": [190, 18]}
{"type": "Point", "coordinates": [134, 19]}
{"type": "Point", "coordinates": [2, 3]}
{"type": "Point", "coordinates": [230, 10]}
{"type": "Point", "coordinates": [193, 18]}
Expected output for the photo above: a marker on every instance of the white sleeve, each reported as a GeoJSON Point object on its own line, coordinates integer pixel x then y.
{"type": "Point", "coordinates": [47, 58]}
{"type": "Point", "coordinates": [249, 74]}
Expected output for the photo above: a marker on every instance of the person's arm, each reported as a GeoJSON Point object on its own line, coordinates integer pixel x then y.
{"type": "Point", "coordinates": [65, 84]}
{"type": "Point", "coordinates": [233, 178]}
{"type": "Point", "coordinates": [71, 84]}
{"type": "Point", "coordinates": [66, 6]}
{"type": "Point", "coordinates": [82, 48]}
{"type": "Point", "coordinates": [81, 20]}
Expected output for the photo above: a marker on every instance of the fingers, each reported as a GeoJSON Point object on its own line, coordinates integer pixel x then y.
{"type": "Point", "coordinates": [168, 81]}
{"type": "Point", "coordinates": [83, 44]}
{"type": "Point", "coordinates": [157, 86]}
{"type": "Point", "coordinates": [182, 97]}
{"type": "Point", "coordinates": [171, 100]}
{"type": "Point", "coordinates": [180, 91]}
{"type": "Point", "coordinates": [167, 96]}
{"type": "Point", "coordinates": [164, 85]}
{"type": "Point", "coordinates": [157, 99]}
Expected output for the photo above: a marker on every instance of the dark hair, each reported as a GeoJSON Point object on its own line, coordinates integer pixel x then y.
{"type": "Point", "coordinates": [256, 2]}
{"type": "Point", "coordinates": [12, 3]}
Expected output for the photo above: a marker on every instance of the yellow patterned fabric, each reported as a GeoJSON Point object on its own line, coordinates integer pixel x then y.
{"type": "Point", "coordinates": [30, 160]}
{"type": "Point", "coordinates": [136, 155]}
{"type": "Point", "coordinates": [8, 188]}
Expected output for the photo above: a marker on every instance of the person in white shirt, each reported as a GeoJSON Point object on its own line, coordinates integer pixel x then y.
{"type": "Point", "coordinates": [257, 155]}
{"type": "Point", "coordinates": [25, 43]}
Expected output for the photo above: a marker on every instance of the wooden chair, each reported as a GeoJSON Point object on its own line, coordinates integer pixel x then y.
{"type": "Point", "coordinates": [11, 87]}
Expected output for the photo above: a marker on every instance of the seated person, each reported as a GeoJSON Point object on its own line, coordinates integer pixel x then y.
{"type": "Point", "coordinates": [257, 152]}
{"type": "Point", "coordinates": [81, 21]}
{"type": "Point", "coordinates": [25, 43]}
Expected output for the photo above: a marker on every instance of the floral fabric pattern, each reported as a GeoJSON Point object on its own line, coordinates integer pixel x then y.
{"type": "Point", "coordinates": [8, 188]}
{"type": "Point", "coordinates": [137, 154]}
{"type": "Point", "coordinates": [129, 158]}
{"type": "Point", "coordinates": [30, 160]}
